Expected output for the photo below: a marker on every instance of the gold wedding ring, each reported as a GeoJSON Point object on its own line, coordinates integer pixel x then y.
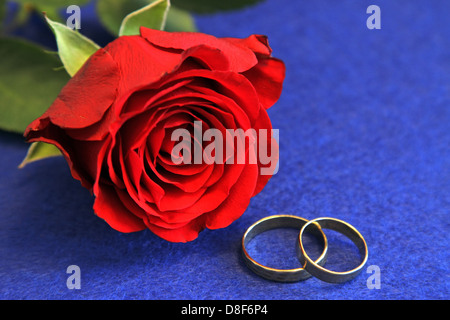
{"type": "Point", "coordinates": [309, 267]}
{"type": "Point", "coordinates": [274, 222]}
{"type": "Point", "coordinates": [319, 271]}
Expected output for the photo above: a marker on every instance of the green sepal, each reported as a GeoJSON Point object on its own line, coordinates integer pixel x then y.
{"type": "Point", "coordinates": [152, 16]}
{"type": "Point", "coordinates": [38, 151]}
{"type": "Point", "coordinates": [73, 47]}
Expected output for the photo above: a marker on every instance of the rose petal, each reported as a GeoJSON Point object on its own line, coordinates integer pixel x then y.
{"type": "Point", "coordinates": [210, 200]}
{"type": "Point", "coordinates": [269, 148]}
{"type": "Point", "coordinates": [255, 42]}
{"type": "Point", "coordinates": [240, 58]}
{"type": "Point", "coordinates": [85, 98]}
{"type": "Point", "coordinates": [108, 206]}
{"type": "Point", "coordinates": [267, 78]}
{"type": "Point", "coordinates": [94, 132]}
{"type": "Point", "coordinates": [232, 91]}
{"type": "Point", "coordinates": [176, 199]}
{"type": "Point", "coordinates": [135, 171]}
{"type": "Point", "coordinates": [236, 202]}
{"type": "Point", "coordinates": [186, 233]}
{"type": "Point", "coordinates": [84, 158]}
{"type": "Point", "coordinates": [209, 57]}
{"type": "Point", "coordinates": [139, 63]}
{"type": "Point", "coordinates": [143, 99]}
{"type": "Point", "coordinates": [188, 184]}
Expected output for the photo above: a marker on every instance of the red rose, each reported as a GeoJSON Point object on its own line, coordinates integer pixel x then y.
{"type": "Point", "coordinates": [114, 122]}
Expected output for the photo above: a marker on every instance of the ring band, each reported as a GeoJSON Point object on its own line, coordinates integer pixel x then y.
{"type": "Point", "coordinates": [274, 222]}
{"type": "Point", "coordinates": [322, 273]}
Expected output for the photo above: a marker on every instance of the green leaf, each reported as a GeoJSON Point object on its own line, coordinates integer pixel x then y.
{"type": "Point", "coordinates": [28, 83]}
{"type": "Point", "coordinates": [2, 11]}
{"type": "Point", "coordinates": [73, 48]}
{"type": "Point", "coordinates": [38, 151]}
{"type": "Point", "coordinates": [211, 6]}
{"type": "Point", "coordinates": [52, 3]}
{"type": "Point", "coordinates": [111, 13]}
{"type": "Point", "coordinates": [152, 16]}
{"type": "Point", "coordinates": [180, 20]}
{"type": "Point", "coordinates": [52, 8]}
{"type": "Point", "coordinates": [52, 13]}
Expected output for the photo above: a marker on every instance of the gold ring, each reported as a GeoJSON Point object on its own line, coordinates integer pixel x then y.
{"type": "Point", "coordinates": [274, 222]}
{"type": "Point", "coordinates": [319, 271]}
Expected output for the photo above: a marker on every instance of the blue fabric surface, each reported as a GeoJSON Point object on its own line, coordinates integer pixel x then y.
{"type": "Point", "coordinates": [364, 124]}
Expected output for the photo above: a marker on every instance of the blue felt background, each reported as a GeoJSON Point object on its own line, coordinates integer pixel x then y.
{"type": "Point", "coordinates": [364, 124]}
